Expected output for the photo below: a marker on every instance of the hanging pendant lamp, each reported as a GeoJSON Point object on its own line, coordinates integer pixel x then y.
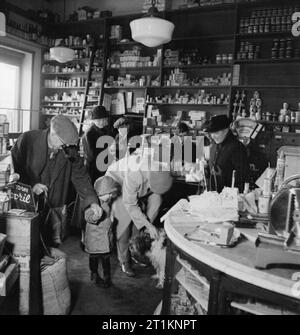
{"type": "Point", "coordinates": [151, 30]}
{"type": "Point", "coordinates": [61, 53]}
{"type": "Point", "coordinates": [2, 24]}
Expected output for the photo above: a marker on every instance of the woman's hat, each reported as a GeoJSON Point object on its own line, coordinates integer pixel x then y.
{"type": "Point", "coordinates": [121, 122]}
{"type": "Point", "coordinates": [105, 185]}
{"type": "Point", "coordinates": [217, 123]}
{"type": "Point", "coordinates": [65, 129]}
{"type": "Point", "coordinates": [99, 112]}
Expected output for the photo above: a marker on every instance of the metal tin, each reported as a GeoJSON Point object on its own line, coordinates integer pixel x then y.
{"type": "Point", "coordinates": [263, 204]}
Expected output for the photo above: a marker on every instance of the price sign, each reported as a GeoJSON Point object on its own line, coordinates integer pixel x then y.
{"type": "Point", "coordinates": [22, 197]}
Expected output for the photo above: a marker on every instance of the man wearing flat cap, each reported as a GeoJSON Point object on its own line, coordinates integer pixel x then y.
{"type": "Point", "coordinates": [227, 154]}
{"type": "Point", "coordinates": [98, 128]}
{"type": "Point", "coordinates": [48, 160]}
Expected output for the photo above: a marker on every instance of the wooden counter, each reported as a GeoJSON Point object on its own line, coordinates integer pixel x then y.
{"type": "Point", "coordinates": [236, 263]}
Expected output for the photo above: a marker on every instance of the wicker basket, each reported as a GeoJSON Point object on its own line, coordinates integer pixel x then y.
{"type": "Point", "coordinates": [55, 286]}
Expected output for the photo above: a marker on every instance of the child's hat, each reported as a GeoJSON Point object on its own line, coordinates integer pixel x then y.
{"type": "Point", "coordinates": [105, 185]}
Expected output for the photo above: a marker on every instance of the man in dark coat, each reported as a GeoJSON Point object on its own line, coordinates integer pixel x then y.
{"type": "Point", "coordinates": [227, 154]}
{"type": "Point", "coordinates": [91, 150]}
{"type": "Point", "coordinates": [48, 160]}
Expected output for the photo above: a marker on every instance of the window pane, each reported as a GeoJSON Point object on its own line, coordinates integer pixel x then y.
{"type": "Point", "coordinates": [9, 97]}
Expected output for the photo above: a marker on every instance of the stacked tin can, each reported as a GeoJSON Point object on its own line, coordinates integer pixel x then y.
{"type": "Point", "coordinates": [267, 20]}
{"type": "Point", "coordinates": [282, 48]}
{"type": "Point", "coordinates": [248, 50]}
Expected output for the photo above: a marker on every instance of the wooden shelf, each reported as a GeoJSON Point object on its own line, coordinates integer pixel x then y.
{"type": "Point", "coordinates": [164, 87]}
{"type": "Point", "coordinates": [64, 88]}
{"type": "Point", "coordinates": [260, 309]}
{"type": "Point", "coordinates": [128, 43]}
{"type": "Point", "coordinates": [202, 9]}
{"type": "Point", "coordinates": [266, 61]}
{"type": "Point", "coordinates": [267, 86]}
{"type": "Point", "coordinates": [76, 60]}
{"type": "Point", "coordinates": [64, 114]}
{"type": "Point", "coordinates": [131, 115]}
{"type": "Point", "coordinates": [204, 37]}
{"type": "Point", "coordinates": [271, 34]}
{"type": "Point", "coordinates": [188, 267]}
{"type": "Point", "coordinates": [198, 66]}
{"type": "Point", "coordinates": [60, 102]}
{"type": "Point", "coordinates": [80, 73]}
{"type": "Point", "coordinates": [142, 68]}
{"type": "Point", "coordinates": [278, 123]}
{"type": "Point", "coordinates": [195, 293]}
{"type": "Point", "coordinates": [63, 107]}
{"type": "Point", "coordinates": [193, 87]}
{"type": "Point", "coordinates": [127, 87]}
{"type": "Point", "coordinates": [175, 104]}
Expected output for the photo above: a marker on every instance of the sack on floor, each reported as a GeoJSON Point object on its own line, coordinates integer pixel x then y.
{"type": "Point", "coordinates": [55, 285]}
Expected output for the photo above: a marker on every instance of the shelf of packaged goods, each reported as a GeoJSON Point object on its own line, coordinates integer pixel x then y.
{"type": "Point", "coordinates": [202, 9]}
{"type": "Point", "coordinates": [180, 104]}
{"type": "Point", "coordinates": [198, 66]}
{"type": "Point", "coordinates": [182, 87]}
{"type": "Point", "coordinates": [278, 123]}
{"type": "Point", "coordinates": [198, 293]}
{"type": "Point", "coordinates": [264, 4]}
{"type": "Point", "coordinates": [73, 61]}
{"type": "Point", "coordinates": [271, 34]}
{"type": "Point", "coordinates": [166, 126]}
{"type": "Point", "coordinates": [60, 102]}
{"type": "Point", "coordinates": [138, 68]}
{"type": "Point", "coordinates": [99, 73]}
{"type": "Point", "coordinates": [204, 37]}
{"type": "Point", "coordinates": [113, 43]}
{"type": "Point", "coordinates": [267, 86]}
{"type": "Point", "coordinates": [260, 309]}
{"type": "Point", "coordinates": [131, 115]}
{"type": "Point", "coordinates": [266, 61]}
{"type": "Point", "coordinates": [63, 88]}
{"type": "Point", "coordinates": [63, 107]}
{"type": "Point", "coordinates": [64, 114]}
{"type": "Point", "coordinates": [127, 87]}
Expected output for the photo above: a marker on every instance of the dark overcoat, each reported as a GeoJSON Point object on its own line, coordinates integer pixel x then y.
{"type": "Point", "coordinates": [224, 158]}
{"type": "Point", "coordinates": [29, 155]}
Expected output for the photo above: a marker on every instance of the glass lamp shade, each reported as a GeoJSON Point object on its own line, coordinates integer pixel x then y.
{"type": "Point", "coordinates": [2, 24]}
{"type": "Point", "coordinates": [151, 31]}
{"type": "Point", "coordinates": [62, 54]}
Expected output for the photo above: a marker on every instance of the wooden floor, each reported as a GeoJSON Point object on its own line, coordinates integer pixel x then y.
{"type": "Point", "coordinates": [127, 296]}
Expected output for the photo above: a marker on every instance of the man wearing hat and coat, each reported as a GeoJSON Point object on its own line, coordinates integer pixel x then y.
{"type": "Point", "coordinates": [48, 160]}
{"type": "Point", "coordinates": [137, 208]}
{"type": "Point", "coordinates": [227, 154]}
{"type": "Point", "coordinates": [98, 128]}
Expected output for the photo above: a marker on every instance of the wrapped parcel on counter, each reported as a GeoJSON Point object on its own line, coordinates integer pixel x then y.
{"type": "Point", "coordinates": [214, 207]}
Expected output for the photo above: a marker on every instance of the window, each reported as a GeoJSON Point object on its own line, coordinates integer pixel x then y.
{"type": "Point", "coordinates": [10, 94]}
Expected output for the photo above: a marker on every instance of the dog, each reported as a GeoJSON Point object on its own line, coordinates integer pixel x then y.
{"type": "Point", "coordinates": [146, 250]}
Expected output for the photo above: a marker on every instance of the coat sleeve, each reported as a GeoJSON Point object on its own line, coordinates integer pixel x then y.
{"type": "Point", "coordinates": [82, 183]}
{"type": "Point", "coordinates": [19, 154]}
{"type": "Point", "coordinates": [131, 185]}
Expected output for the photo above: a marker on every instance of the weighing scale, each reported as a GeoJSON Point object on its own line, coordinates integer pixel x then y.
{"type": "Point", "coordinates": [281, 244]}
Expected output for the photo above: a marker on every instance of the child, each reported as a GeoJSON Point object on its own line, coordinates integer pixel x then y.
{"type": "Point", "coordinates": [98, 234]}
